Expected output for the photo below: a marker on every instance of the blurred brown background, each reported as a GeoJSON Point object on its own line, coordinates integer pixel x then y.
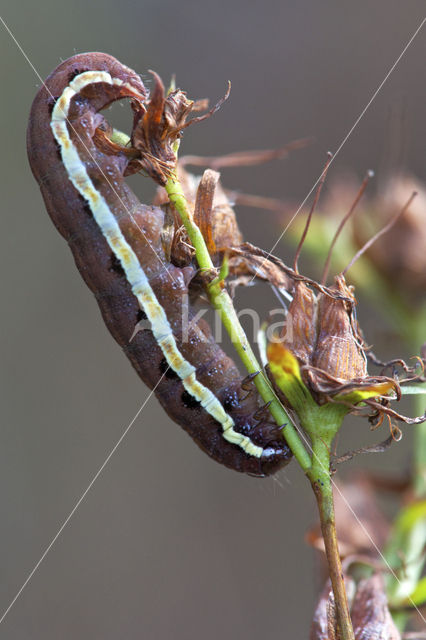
{"type": "Point", "coordinates": [168, 544]}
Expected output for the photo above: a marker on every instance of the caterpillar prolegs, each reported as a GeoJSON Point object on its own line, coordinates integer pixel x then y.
{"type": "Point", "coordinates": [118, 246]}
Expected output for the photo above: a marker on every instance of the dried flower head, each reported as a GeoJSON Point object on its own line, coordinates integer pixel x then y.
{"type": "Point", "coordinates": [322, 349]}
{"type": "Point", "coordinates": [156, 127]}
{"type": "Point", "coordinates": [322, 355]}
{"type": "Point", "coordinates": [157, 124]}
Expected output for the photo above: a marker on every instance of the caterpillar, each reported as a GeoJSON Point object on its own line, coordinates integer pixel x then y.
{"type": "Point", "coordinates": [117, 244]}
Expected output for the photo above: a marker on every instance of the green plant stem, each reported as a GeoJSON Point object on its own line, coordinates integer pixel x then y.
{"type": "Point", "coordinates": [319, 476]}
{"type": "Point", "coordinates": [222, 302]}
{"type": "Point", "coordinates": [409, 321]}
{"type": "Point", "coordinates": [317, 472]}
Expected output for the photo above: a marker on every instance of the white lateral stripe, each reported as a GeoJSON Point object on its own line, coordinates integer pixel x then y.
{"type": "Point", "coordinates": [136, 276]}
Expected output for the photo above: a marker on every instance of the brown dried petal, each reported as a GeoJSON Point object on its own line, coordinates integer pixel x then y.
{"type": "Point", "coordinates": [292, 275]}
{"type": "Point", "coordinates": [203, 210]}
{"type": "Point", "coordinates": [301, 324]}
{"type": "Point", "coordinates": [245, 158]}
{"type": "Point", "coordinates": [243, 263]}
{"type": "Point", "coordinates": [212, 213]}
{"type": "Point", "coordinates": [371, 617]}
{"type": "Point", "coordinates": [338, 351]}
{"type": "Point", "coordinates": [156, 127]}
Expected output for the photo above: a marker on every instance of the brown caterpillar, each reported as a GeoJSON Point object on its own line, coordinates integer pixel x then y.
{"type": "Point", "coordinates": [117, 245]}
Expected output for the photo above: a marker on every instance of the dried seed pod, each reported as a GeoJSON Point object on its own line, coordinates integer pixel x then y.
{"type": "Point", "coordinates": [321, 353]}
{"type": "Point", "coordinates": [324, 335]}
{"type": "Point", "coordinates": [158, 123]}
{"type": "Point", "coordinates": [339, 349]}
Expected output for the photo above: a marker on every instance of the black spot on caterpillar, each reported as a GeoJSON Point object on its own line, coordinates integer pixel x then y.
{"type": "Point", "coordinates": [141, 315]}
{"type": "Point", "coordinates": [189, 401]}
{"type": "Point", "coordinates": [167, 371]}
{"type": "Point", "coordinates": [116, 266]}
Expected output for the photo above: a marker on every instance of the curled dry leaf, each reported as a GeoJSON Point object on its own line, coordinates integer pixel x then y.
{"type": "Point", "coordinates": [370, 613]}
